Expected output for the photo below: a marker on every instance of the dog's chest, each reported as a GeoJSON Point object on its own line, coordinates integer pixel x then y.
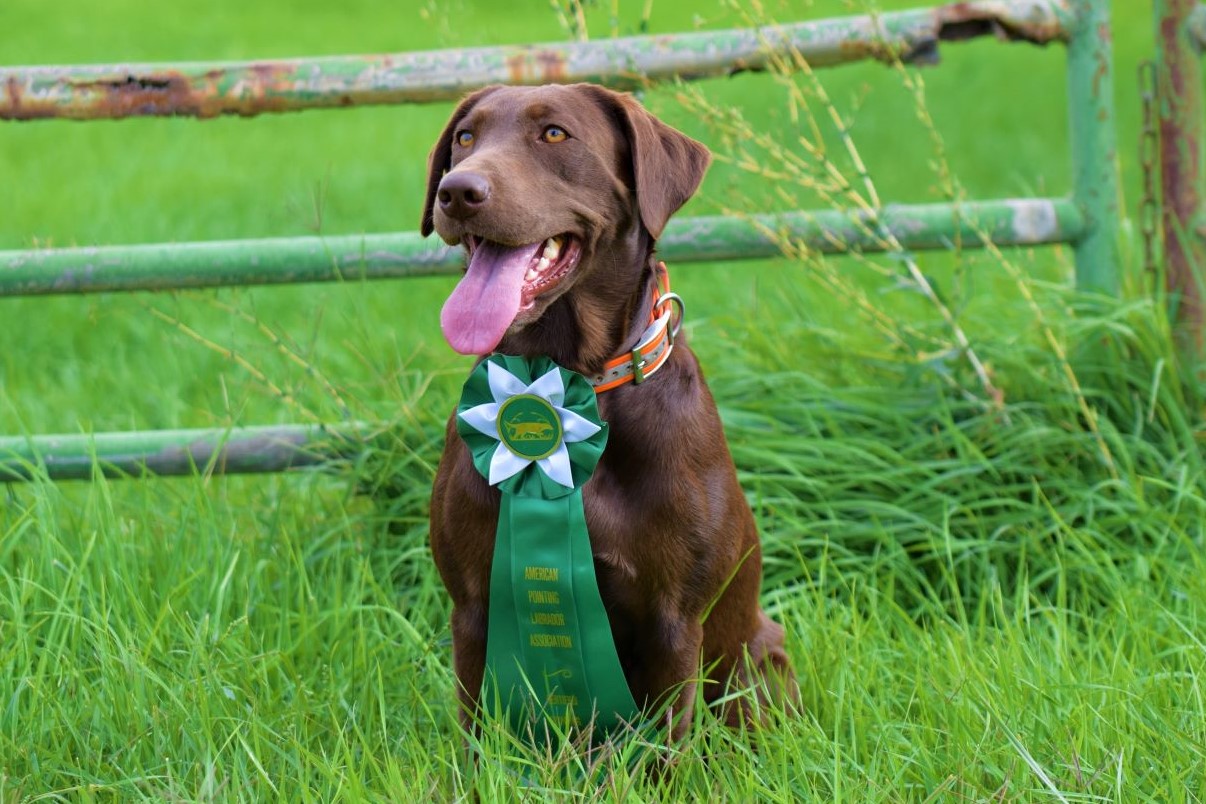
{"type": "Point", "coordinates": [627, 514]}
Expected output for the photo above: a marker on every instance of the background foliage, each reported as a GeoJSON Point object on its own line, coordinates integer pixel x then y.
{"type": "Point", "coordinates": [986, 595]}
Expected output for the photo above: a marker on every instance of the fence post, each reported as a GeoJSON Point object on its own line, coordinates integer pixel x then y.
{"type": "Point", "coordinates": [1179, 83]}
{"type": "Point", "coordinates": [1094, 145]}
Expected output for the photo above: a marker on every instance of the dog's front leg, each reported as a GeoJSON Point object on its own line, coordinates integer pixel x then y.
{"type": "Point", "coordinates": [670, 663]}
{"type": "Point", "coordinates": [469, 658]}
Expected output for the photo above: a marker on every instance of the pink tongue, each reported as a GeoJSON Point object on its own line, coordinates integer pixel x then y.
{"type": "Point", "coordinates": [486, 300]}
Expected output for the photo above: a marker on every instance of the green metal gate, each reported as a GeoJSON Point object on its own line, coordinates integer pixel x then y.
{"type": "Point", "coordinates": [1088, 220]}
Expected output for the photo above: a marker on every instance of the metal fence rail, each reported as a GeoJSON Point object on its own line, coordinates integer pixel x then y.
{"type": "Point", "coordinates": [1088, 220]}
{"type": "Point", "coordinates": [1180, 40]}
{"type": "Point", "coordinates": [166, 453]}
{"type": "Point", "coordinates": [247, 88]}
{"type": "Point", "coordinates": [1013, 222]}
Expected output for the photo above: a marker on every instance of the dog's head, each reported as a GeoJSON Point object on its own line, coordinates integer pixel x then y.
{"type": "Point", "coordinates": [548, 188]}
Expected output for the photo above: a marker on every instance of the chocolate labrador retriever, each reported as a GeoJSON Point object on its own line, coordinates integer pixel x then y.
{"type": "Point", "coordinates": [558, 194]}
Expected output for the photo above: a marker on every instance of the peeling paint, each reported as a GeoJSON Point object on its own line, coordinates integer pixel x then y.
{"type": "Point", "coordinates": [1008, 21]}
{"type": "Point", "coordinates": [1196, 26]}
{"type": "Point", "coordinates": [150, 94]}
{"type": "Point", "coordinates": [1034, 221]}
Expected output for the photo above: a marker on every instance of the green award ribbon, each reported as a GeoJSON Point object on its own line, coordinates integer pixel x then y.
{"type": "Point", "coordinates": [533, 430]}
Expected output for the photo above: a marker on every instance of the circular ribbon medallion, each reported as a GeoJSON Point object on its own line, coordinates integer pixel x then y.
{"type": "Point", "coordinates": [529, 426]}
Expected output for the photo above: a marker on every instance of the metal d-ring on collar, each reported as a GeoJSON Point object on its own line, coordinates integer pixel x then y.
{"type": "Point", "coordinates": [652, 350]}
{"type": "Point", "coordinates": [677, 301]}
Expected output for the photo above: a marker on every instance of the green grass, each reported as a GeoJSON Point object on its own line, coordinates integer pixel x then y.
{"type": "Point", "coordinates": [982, 600]}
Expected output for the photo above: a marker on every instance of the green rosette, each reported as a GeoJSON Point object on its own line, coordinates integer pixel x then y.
{"type": "Point", "coordinates": [534, 432]}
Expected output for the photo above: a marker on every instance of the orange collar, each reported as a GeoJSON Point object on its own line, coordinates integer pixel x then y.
{"type": "Point", "coordinates": [657, 341]}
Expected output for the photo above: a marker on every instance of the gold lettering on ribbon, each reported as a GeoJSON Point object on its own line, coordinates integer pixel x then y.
{"type": "Point", "coordinates": [541, 574]}
{"type": "Point", "coordinates": [548, 618]}
{"type": "Point", "coordinates": [563, 700]}
{"type": "Point", "coordinates": [550, 641]}
{"type": "Point", "coordinates": [544, 598]}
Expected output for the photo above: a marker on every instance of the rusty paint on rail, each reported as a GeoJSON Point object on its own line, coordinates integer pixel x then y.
{"type": "Point", "coordinates": [1179, 82]}
{"type": "Point", "coordinates": [204, 90]}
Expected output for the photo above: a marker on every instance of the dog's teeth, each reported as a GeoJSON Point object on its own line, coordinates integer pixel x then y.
{"type": "Point", "coordinates": [530, 275]}
{"type": "Point", "coordinates": [552, 248]}
{"type": "Point", "coordinates": [542, 265]}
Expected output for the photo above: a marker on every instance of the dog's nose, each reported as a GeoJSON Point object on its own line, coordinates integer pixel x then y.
{"type": "Point", "coordinates": [461, 193]}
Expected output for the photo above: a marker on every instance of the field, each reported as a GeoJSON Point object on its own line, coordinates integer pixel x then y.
{"type": "Point", "coordinates": [994, 584]}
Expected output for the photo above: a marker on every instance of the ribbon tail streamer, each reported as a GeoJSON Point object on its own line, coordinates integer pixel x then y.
{"type": "Point", "coordinates": [551, 621]}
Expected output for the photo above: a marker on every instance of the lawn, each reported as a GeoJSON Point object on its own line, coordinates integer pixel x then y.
{"type": "Point", "coordinates": [982, 599]}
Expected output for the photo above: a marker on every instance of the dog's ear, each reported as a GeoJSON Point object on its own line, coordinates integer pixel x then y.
{"type": "Point", "coordinates": [440, 158]}
{"type": "Point", "coordinates": [667, 165]}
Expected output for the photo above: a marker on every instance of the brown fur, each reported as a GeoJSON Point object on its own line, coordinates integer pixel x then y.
{"type": "Point", "coordinates": [672, 534]}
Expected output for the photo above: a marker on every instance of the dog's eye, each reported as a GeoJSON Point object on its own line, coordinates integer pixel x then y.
{"type": "Point", "coordinates": [464, 138]}
{"type": "Point", "coordinates": [554, 134]}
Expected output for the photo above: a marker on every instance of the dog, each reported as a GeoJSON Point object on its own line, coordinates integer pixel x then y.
{"type": "Point", "coordinates": [588, 176]}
